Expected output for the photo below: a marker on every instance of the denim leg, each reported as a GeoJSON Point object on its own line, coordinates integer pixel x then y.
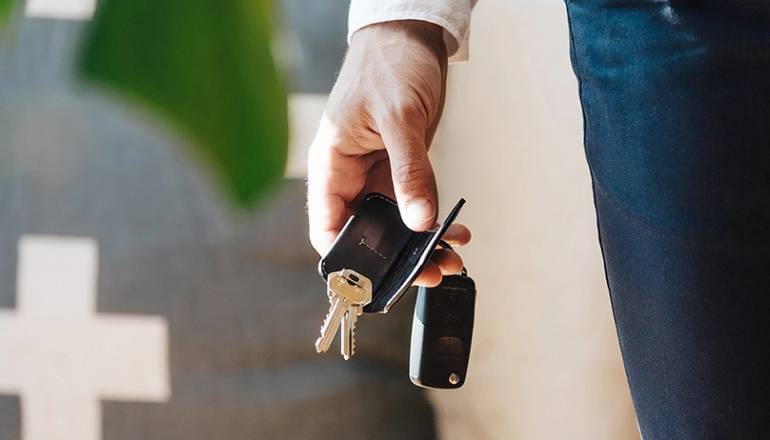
{"type": "Point", "coordinates": [676, 102]}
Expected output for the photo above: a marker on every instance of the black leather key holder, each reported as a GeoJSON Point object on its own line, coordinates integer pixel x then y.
{"type": "Point", "coordinates": [377, 244]}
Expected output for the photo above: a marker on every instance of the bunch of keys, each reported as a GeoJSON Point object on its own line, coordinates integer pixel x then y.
{"type": "Point", "coordinates": [370, 266]}
{"type": "Point", "coordinates": [348, 293]}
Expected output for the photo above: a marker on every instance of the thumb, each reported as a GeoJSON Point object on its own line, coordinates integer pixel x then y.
{"type": "Point", "coordinates": [413, 180]}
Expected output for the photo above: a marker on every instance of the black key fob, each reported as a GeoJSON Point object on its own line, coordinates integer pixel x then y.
{"type": "Point", "coordinates": [442, 329]}
{"type": "Point", "coordinates": [378, 245]}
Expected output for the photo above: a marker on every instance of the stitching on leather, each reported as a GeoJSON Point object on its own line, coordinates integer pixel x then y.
{"type": "Point", "coordinates": [375, 195]}
{"type": "Point", "coordinates": [365, 244]}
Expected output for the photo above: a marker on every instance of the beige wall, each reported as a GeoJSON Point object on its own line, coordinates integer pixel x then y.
{"type": "Point", "coordinates": [545, 361]}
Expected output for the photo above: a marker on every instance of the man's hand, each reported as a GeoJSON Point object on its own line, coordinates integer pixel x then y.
{"type": "Point", "coordinates": [380, 119]}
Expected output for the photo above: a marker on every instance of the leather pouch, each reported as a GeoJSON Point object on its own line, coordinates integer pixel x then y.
{"type": "Point", "coordinates": [377, 244]}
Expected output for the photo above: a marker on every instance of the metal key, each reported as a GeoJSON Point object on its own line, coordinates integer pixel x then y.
{"type": "Point", "coordinates": [347, 289]}
{"type": "Point", "coordinates": [348, 327]}
{"type": "Point", "coordinates": [348, 331]}
{"type": "Point", "coordinates": [347, 339]}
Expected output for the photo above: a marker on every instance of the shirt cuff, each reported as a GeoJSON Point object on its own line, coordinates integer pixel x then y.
{"type": "Point", "coordinates": [452, 15]}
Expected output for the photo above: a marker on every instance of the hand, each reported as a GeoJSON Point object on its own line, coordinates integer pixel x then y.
{"type": "Point", "coordinates": [379, 121]}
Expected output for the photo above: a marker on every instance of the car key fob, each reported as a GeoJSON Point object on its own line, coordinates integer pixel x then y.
{"type": "Point", "coordinates": [442, 329]}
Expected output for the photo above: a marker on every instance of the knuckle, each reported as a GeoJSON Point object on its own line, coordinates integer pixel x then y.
{"type": "Point", "coordinates": [410, 114]}
{"type": "Point", "coordinates": [412, 175]}
{"type": "Point", "coordinates": [405, 109]}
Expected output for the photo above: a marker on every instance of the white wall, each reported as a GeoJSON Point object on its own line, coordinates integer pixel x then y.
{"type": "Point", "coordinates": [545, 361]}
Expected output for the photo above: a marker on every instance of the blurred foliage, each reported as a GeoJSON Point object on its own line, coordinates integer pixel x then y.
{"type": "Point", "coordinates": [206, 66]}
{"type": "Point", "coordinates": [6, 7]}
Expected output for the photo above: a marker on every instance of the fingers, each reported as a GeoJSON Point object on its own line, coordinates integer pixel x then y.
{"type": "Point", "coordinates": [326, 214]}
{"type": "Point", "coordinates": [414, 183]}
{"type": "Point", "coordinates": [448, 262]}
{"type": "Point", "coordinates": [457, 235]}
{"type": "Point", "coordinates": [443, 262]}
{"type": "Point", "coordinates": [334, 180]}
{"type": "Point", "coordinates": [430, 276]}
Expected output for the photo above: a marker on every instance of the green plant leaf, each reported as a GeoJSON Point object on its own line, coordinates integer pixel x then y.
{"type": "Point", "coordinates": [6, 8]}
{"type": "Point", "coordinates": [206, 66]}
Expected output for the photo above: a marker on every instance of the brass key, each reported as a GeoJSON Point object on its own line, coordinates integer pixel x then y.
{"type": "Point", "coordinates": [348, 292]}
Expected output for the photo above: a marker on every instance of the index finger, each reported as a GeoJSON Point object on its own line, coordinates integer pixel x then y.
{"type": "Point", "coordinates": [334, 181]}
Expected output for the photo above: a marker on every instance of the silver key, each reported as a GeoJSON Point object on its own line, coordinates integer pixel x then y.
{"type": "Point", "coordinates": [346, 289]}
{"type": "Point", "coordinates": [348, 331]}
{"type": "Point", "coordinates": [346, 334]}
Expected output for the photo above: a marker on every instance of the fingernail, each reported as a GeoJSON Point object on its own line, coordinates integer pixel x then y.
{"type": "Point", "coordinates": [418, 212]}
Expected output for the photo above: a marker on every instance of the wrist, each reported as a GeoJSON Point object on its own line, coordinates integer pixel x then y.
{"type": "Point", "coordinates": [431, 35]}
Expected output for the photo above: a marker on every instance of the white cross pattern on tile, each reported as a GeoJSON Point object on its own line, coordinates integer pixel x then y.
{"type": "Point", "coordinates": [61, 9]}
{"type": "Point", "coordinates": [61, 357]}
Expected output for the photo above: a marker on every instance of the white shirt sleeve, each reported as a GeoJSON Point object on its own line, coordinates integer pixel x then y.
{"type": "Point", "coordinates": [452, 15]}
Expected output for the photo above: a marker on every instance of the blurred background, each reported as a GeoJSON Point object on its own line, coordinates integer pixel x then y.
{"type": "Point", "coordinates": [136, 303]}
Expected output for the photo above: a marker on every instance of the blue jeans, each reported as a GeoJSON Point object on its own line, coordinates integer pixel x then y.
{"type": "Point", "coordinates": [676, 101]}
